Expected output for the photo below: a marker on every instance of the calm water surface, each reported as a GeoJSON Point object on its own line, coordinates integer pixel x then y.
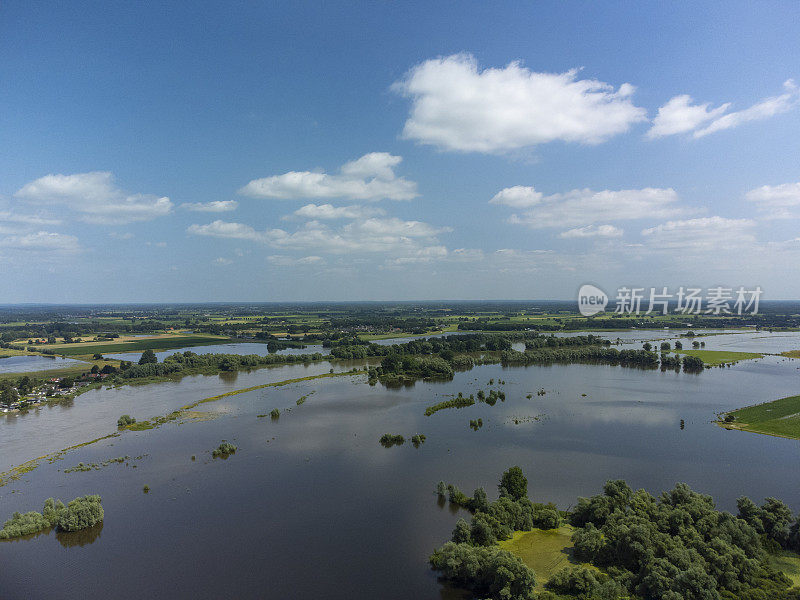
{"type": "Point", "coordinates": [311, 506]}
{"type": "Point", "coordinates": [24, 364]}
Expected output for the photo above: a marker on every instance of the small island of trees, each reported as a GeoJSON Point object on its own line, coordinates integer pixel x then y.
{"type": "Point", "coordinates": [79, 513]}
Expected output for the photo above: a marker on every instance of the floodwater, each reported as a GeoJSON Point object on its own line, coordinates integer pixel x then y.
{"type": "Point", "coordinates": [311, 506]}
{"type": "Point", "coordinates": [25, 364]}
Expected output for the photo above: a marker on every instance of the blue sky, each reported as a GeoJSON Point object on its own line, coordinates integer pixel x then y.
{"type": "Point", "coordinates": [375, 151]}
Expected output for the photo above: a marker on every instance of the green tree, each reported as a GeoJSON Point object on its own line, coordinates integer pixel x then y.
{"type": "Point", "coordinates": [514, 484]}
{"type": "Point", "coordinates": [148, 356]}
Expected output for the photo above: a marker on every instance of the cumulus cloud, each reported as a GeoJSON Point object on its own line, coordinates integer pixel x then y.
{"type": "Point", "coordinates": [43, 241]}
{"type": "Point", "coordinates": [777, 201]}
{"type": "Point", "coordinates": [330, 212]}
{"type": "Point", "coordinates": [222, 261]}
{"type": "Point", "coordinates": [707, 234]}
{"type": "Point", "coordinates": [215, 206]}
{"type": "Point", "coordinates": [679, 116]}
{"type": "Point", "coordinates": [579, 208]}
{"type": "Point", "coordinates": [95, 196]}
{"type": "Point", "coordinates": [456, 106]}
{"type": "Point", "coordinates": [592, 231]}
{"type": "Point", "coordinates": [370, 177]}
{"type": "Point", "coordinates": [518, 196]}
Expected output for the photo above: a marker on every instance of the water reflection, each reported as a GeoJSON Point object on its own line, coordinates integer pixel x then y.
{"type": "Point", "coordinates": [82, 537]}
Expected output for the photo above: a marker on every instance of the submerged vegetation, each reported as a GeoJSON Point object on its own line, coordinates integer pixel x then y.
{"type": "Point", "coordinates": [388, 440]}
{"type": "Point", "coordinates": [458, 402]}
{"type": "Point", "coordinates": [125, 420]}
{"type": "Point", "coordinates": [224, 450]}
{"type": "Point", "coordinates": [624, 544]}
{"type": "Point", "coordinates": [80, 513]}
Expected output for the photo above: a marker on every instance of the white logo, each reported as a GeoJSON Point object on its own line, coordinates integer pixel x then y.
{"type": "Point", "coordinates": [591, 300]}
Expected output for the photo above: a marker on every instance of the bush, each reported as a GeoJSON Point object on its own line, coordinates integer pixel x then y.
{"type": "Point", "coordinates": [388, 440]}
{"type": "Point", "coordinates": [486, 571]}
{"type": "Point", "coordinates": [125, 420]}
{"type": "Point", "coordinates": [81, 513]}
{"type": "Point", "coordinates": [224, 450]}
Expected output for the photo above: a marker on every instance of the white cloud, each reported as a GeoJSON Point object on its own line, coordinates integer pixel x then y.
{"type": "Point", "coordinates": [777, 201]}
{"type": "Point", "coordinates": [590, 231]}
{"type": "Point", "coordinates": [370, 177]}
{"type": "Point", "coordinates": [679, 116]}
{"type": "Point", "coordinates": [121, 236]}
{"type": "Point", "coordinates": [455, 106]}
{"type": "Point", "coordinates": [42, 241]}
{"type": "Point", "coordinates": [96, 197]}
{"type": "Point", "coordinates": [281, 260]}
{"type": "Point", "coordinates": [222, 261]}
{"type": "Point", "coordinates": [518, 196]}
{"type": "Point", "coordinates": [215, 206]}
{"type": "Point", "coordinates": [703, 234]}
{"type": "Point", "coordinates": [768, 107]}
{"type": "Point", "coordinates": [330, 212]}
{"type": "Point", "coordinates": [586, 207]}
{"type": "Point", "coordinates": [367, 236]}
{"type": "Point", "coordinates": [26, 219]}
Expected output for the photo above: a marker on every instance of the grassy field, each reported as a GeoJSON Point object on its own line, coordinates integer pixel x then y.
{"type": "Point", "coordinates": [779, 417]}
{"type": "Point", "coordinates": [138, 344]}
{"type": "Point", "coordinates": [791, 353]}
{"type": "Point", "coordinates": [546, 552]}
{"type": "Point", "coordinates": [789, 563]}
{"type": "Point", "coordinates": [715, 358]}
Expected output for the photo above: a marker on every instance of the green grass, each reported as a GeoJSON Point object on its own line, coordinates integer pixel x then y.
{"type": "Point", "coordinates": [714, 358]}
{"type": "Point", "coordinates": [137, 345]}
{"type": "Point", "coordinates": [789, 563]}
{"type": "Point", "coordinates": [546, 552]}
{"type": "Point", "coordinates": [779, 417]}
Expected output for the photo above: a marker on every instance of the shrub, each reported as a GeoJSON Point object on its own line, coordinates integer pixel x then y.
{"type": "Point", "coordinates": [224, 450]}
{"type": "Point", "coordinates": [125, 420]}
{"type": "Point", "coordinates": [81, 513]}
{"type": "Point", "coordinates": [388, 440]}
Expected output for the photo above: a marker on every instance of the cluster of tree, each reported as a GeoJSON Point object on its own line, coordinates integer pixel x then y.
{"type": "Point", "coordinates": [472, 559]}
{"type": "Point", "coordinates": [125, 420]}
{"type": "Point", "coordinates": [224, 450]}
{"type": "Point", "coordinates": [398, 368]}
{"type": "Point", "coordinates": [388, 440]}
{"type": "Point", "coordinates": [80, 513]}
{"type": "Point", "coordinates": [418, 439]}
{"type": "Point", "coordinates": [636, 546]}
{"type": "Point", "coordinates": [475, 424]}
{"type": "Point", "coordinates": [459, 401]}
{"type": "Point", "coordinates": [601, 354]}
{"type": "Point", "coordinates": [492, 398]}
{"type": "Point", "coordinates": [189, 362]}
{"type": "Point", "coordinates": [679, 546]}
{"type": "Point", "coordinates": [591, 354]}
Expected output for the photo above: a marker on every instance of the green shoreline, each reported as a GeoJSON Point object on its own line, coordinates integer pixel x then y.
{"type": "Point", "coordinates": [778, 418]}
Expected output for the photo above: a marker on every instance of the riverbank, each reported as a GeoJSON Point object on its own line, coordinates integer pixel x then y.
{"type": "Point", "coordinates": [780, 418]}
